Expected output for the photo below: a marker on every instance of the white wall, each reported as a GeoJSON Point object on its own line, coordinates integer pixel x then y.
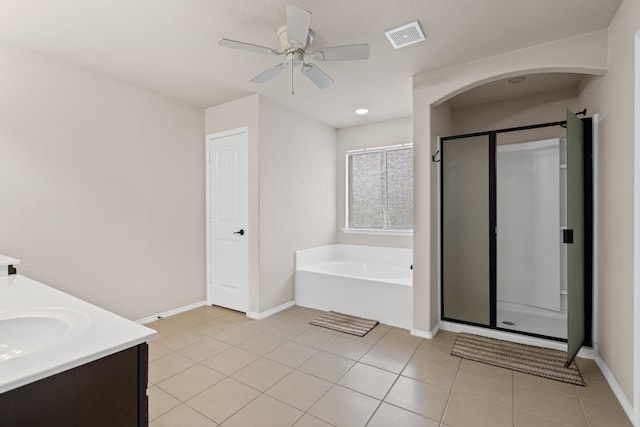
{"type": "Point", "coordinates": [441, 125]}
{"type": "Point", "coordinates": [615, 188]}
{"type": "Point", "coordinates": [526, 110]}
{"type": "Point", "coordinates": [584, 53]}
{"type": "Point", "coordinates": [102, 186]}
{"type": "Point", "coordinates": [612, 94]}
{"type": "Point", "coordinates": [297, 195]}
{"type": "Point", "coordinates": [379, 134]}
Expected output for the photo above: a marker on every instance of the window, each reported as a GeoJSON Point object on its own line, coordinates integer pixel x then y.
{"type": "Point", "coordinates": [380, 189]}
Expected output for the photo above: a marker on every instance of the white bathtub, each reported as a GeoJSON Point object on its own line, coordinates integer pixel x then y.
{"type": "Point", "coordinates": [365, 281]}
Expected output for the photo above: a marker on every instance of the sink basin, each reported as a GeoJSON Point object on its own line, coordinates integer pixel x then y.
{"type": "Point", "coordinates": [33, 329]}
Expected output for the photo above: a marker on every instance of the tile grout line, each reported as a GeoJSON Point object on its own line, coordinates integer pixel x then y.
{"type": "Point", "coordinates": [202, 364]}
{"type": "Point", "coordinates": [513, 397]}
{"type": "Point", "coordinates": [394, 383]}
{"type": "Point", "coordinates": [342, 376]}
{"type": "Point", "coordinates": [336, 383]}
{"type": "Point", "coordinates": [376, 367]}
{"type": "Point", "coordinates": [261, 393]}
{"type": "Point", "coordinates": [584, 412]}
{"type": "Point", "coordinates": [230, 376]}
{"type": "Point", "coordinates": [446, 406]}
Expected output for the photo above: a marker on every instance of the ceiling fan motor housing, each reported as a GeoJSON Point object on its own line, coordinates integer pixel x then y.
{"type": "Point", "coordinates": [286, 45]}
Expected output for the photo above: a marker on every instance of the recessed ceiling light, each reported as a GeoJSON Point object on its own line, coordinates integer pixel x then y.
{"type": "Point", "coordinates": [517, 80]}
{"type": "Point", "coordinates": [361, 111]}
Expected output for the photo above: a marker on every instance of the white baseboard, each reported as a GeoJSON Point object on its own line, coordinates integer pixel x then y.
{"type": "Point", "coordinates": [622, 398]}
{"type": "Point", "coordinates": [271, 311]}
{"type": "Point", "coordinates": [425, 334]}
{"type": "Point", "coordinates": [171, 312]}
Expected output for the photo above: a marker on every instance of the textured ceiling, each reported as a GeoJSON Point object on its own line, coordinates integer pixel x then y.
{"type": "Point", "coordinates": [170, 46]}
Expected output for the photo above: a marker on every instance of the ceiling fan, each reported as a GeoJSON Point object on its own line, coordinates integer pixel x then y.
{"type": "Point", "coordinates": [296, 39]}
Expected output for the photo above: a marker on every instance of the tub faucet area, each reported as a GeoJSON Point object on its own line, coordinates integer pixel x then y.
{"type": "Point", "coordinates": [8, 265]}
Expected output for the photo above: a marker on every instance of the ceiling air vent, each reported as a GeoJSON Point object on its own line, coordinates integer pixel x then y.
{"type": "Point", "coordinates": [405, 35]}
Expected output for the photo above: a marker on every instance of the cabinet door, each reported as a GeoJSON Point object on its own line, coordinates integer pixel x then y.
{"type": "Point", "coordinates": [107, 392]}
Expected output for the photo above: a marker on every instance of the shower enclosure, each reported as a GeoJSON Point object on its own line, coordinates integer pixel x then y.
{"type": "Point", "coordinates": [516, 230]}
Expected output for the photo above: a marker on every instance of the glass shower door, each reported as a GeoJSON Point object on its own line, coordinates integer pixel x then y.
{"type": "Point", "coordinates": [574, 236]}
{"type": "Point", "coordinates": [466, 243]}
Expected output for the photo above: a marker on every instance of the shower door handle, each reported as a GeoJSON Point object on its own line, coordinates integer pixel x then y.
{"type": "Point", "coordinates": [567, 235]}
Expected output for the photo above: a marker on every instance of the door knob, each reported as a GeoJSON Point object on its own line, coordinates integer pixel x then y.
{"type": "Point", "coordinates": [240, 232]}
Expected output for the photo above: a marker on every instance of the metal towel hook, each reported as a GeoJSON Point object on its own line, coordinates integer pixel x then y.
{"type": "Point", "coordinates": [433, 158]}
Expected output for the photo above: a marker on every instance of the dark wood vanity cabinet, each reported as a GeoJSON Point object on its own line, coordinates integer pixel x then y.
{"type": "Point", "coordinates": [108, 392]}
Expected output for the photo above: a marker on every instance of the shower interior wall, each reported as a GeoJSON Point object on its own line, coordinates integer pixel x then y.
{"type": "Point", "coordinates": [531, 260]}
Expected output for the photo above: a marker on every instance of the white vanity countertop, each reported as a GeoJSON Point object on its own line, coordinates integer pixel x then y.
{"type": "Point", "coordinates": [72, 332]}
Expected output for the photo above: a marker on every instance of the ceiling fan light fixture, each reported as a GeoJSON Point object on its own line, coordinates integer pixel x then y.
{"type": "Point", "coordinates": [296, 58]}
{"type": "Point", "coordinates": [361, 111]}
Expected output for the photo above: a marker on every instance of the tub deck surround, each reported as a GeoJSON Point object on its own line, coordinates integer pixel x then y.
{"type": "Point", "coordinates": [365, 281]}
{"type": "Point", "coordinates": [83, 332]}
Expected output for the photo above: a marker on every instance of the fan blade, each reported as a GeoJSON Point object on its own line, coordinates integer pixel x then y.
{"type": "Point", "coordinates": [317, 76]}
{"type": "Point", "coordinates": [343, 53]}
{"type": "Point", "coordinates": [247, 46]}
{"type": "Point", "coordinates": [269, 73]}
{"type": "Point", "coordinates": [298, 22]}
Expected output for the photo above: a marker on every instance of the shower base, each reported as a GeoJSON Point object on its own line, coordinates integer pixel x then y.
{"type": "Point", "coordinates": [535, 320]}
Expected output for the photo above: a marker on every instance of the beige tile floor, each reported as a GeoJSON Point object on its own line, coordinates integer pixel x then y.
{"type": "Point", "coordinates": [216, 367]}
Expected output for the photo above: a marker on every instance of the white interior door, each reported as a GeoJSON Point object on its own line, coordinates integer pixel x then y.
{"type": "Point", "coordinates": [228, 240]}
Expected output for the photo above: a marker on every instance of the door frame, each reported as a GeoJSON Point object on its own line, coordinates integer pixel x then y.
{"type": "Point", "coordinates": [636, 239]}
{"type": "Point", "coordinates": [208, 225]}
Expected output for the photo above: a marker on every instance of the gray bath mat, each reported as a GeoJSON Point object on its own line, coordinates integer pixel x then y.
{"type": "Point", "coordinates": [529, 359]}
{"type": "Point", "coordinates": [345, 323]}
